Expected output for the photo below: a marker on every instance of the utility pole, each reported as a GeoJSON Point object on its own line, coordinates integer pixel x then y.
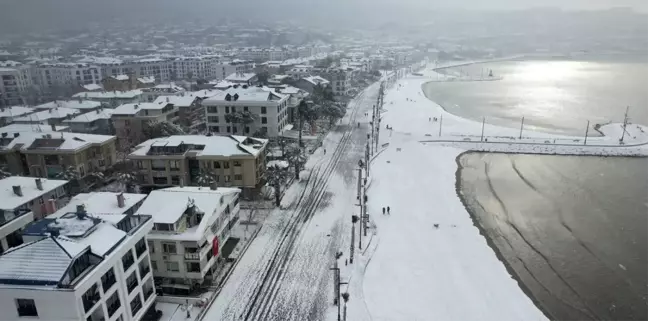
{"type": "Point", "coordinates": [586, 132]}
{"type": "Point", "coordinates": [440, 125]}
{"type": "Point", "coordinates": [365, 216]}
{"type": "Point", "coordinates": [359, 178]}
{"type": "Point", "coordinates": [521, 127]}
{"type": "Point", "coordinates": [354, 219]}
{"type": "Point", "coordinates": [625, 123]}
{"type": "Point", "coordinates": [482, 134]}
{"type": "Point", "coordinates": [367, 160]}
{"type": "Point", "coordinates": [336, 279]}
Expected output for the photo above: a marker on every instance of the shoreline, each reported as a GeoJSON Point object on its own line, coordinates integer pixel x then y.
{"type": "Point", "coordinates": [489, 240]}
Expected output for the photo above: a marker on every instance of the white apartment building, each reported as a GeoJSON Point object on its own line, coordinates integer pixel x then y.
{"type": "Point", "coordinates": [171, 89]}
{"type": "Point", "coordinates": [225, 69]}
{"type": "Point", "coordinates": [191, 226]}
{"type": "Point", "coordinates": [198, 67]}
{"type": "Point", "coordinates": [66, 74]}
{"type": "Point", "coordinates": [268, 107]}
{"type": "Point", "coordinates": [22, 200]}
{"type": "Point", "coordinates": [15, 82]}
{"type": "Point", "coordinates": [112, 98]}
{"type": "Point", "coordinates": [79, 266]}
{"type": "Point", "coordinates": [103, 203]}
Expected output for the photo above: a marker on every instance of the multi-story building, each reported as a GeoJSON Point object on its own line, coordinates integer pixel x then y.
{"type": "Point", "coordinates": [127, 82]}
{"type": "Point", "coordinates": [15, 83]}
{"type": "Point", "coordinates": [152, 93]}
{"type": "Point", "coordinates": [191, 113]}
{"type": "Point", "coordinates": [340, 80]}
{"type": "Point", "coordinates": [24, 200]}
{"type": "Point", "coordinates": [129, 120]}
{"type": "Point", "coordinates": [8, 114]}
{"type": "Point", "coordinates": [61, 74]}
{"type": "Point", "coordinates": [268, 107]}
{"type": "Point", "coordinates": [79, 266]}
{"type": "Point", "coordinates": [242, 78]}
{"type": "Point", "coordinates": [225, 69]}
{"type": "Point", "coordinates": [230, 161]}
{"type": "Point", "coordinates": [190, 227]}
{"type": "Point", "coordinates": [309, 83]}
{"type": "Point", "coordinates": [82, 105]}
{"type": "Point", "coordinates": [94, 122]}
{"type": "Point", "coordinates": [48, 154]}
{"type": "Point", "coordinates": [112, 98]}
{"type": "Point", "coordinates": [198, 67]}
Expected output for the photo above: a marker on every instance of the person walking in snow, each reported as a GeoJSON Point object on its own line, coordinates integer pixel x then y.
{"type": "Point", "coordinates": [383, 211]}
{"type": "Point", "coordinates": [324, 151]}
{"type": "Point", "coordinates": [388, 213]}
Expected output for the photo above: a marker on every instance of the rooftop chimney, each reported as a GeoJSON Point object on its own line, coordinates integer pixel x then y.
{"type": "Point", "coordinates": [167, 99]}
{"type": "Point", "coordinates": [53, 127]}
{"type": "Point", "coordinates": [16, 135]}
{"type": "Point", "coordinates": [50, 206]}
{"type": "Point", "coordinates": [120, 200]}
{"type": "Point", "coordinates": [39, 184]}
{"type": "Point", "coordinates": [17, 190]}
{"type": "Point", "coordinates": [80, 211]}
{"type": "Point", "coordinates": [213, 186]}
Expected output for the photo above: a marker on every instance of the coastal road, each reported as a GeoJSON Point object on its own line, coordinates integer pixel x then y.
{"type": "Point", "coordinates": [284, 274]}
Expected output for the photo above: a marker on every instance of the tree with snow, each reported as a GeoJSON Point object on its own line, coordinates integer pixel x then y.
{"type": "Point", "coordinates": [206, 178]}
{"type": "Point", "coordinates": [333, 112]}
{"type": "Point", "coordinates": [156, 129]}
{"type": "Point", "coordinates": [277, 176]}
{"type": "Point", "coordinates": [78, 183]}
{"type": "Point", "coordinates": [242, 118]}
{"type": "Point", "coordinates": [306, 113]}
{"type": "Point", "coordinates": [296, 158]}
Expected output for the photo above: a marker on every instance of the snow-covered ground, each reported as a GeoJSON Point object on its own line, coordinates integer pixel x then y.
{"type": "Point", "coordinates": [414, 270]}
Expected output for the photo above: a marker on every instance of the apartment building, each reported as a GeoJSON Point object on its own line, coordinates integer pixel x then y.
{"type": "Point", "coordinates": [340, 80]}
{"type": "Point", "coordinates": [129, 120]}
{"type": "Point", "coordinates": [152, 93]}
{"type": "Point", "coordinates": [190, 227]}
{"type": "Point", "coordinates": [112, 98]}
{"type": "Point", "coordinates": [65, 74]}
{"type": "Point", "coordinates": [79, 266]}
{"type": "Point", "coordinates": [230, 161]}
{"type": "Point", "coordinates": [268, 107]}
{"type": "Point", "coordinates": [309, 83]}
{"type": "Point", "coordinates": [8, 114]}
{"type": "Point", "coordinates": [82, 105]}
{"type": "Point", "coordinates": [191, 113]}
{"type": "Point", "coordinates": [225, 69]}
{"type": "Point", "coordinates": [196, 67]}
{"type": "Point", "coordinates": [23, 200]}
{"type": "Point", "coordinates": [94, 122]}
{"type": "Point", "coordinates": [48, 154]}
{"type": "Point", "coordinates": [15, 82]}
{"type": "Point", "coordinates": [127, 82]}
{"type": "Point", "coordinates": [241, 78]}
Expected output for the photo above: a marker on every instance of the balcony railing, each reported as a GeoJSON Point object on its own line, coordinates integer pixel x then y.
{"type": "Point", "coordinates": [113, 307]}
{"type": "Point", "coordinates": [192, 256]}
{"type": "Point", "coordinates": [135, 308]}
{"type": "Point", "coordinates": [90, 301]}
{"type": "Point", "coordinates": [140, 249]}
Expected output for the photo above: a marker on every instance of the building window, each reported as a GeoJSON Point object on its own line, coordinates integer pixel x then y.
{"type": "Point", "coordinates": [108, 279]}
{"type": "Point", "coordinates": [169, 248]}
{"type": "Point", "coordinates": [193, 267]}
{"type": "Point", "coordinates": [233, 109]}
{"type": "Point", "coordinates": [172, 266]}
{"type": "Point", "coordinates": [238, 177]}
{"type": "Point", "coordinates": [226, 109]}
{"type": "Point", "coordinates": [226, 165]}
{"type": "Point", "coordinates": [175, 180]}
{"type": "Point", "coordinates": [158, 165]}
{"type": "Point", "coordinates": [263, 110]}
{"type": "Point", "coordinates": [237, 163]}
{"type": "Point", "coordinates": [229, 129]}
{"type": "Point", "coordinates": [175, 164]}
{"type": "Point", "coordinates": [154, 265]}
{"type": "Point", "coordinates": [151, 247]}
{"type": "Point", "coordinates": [217, 164]}
{"type": "Point", "coordinates": [212, 110]}
{"type": "Point", "coordinates": [26, 308]}
{"type": "Point", "coordinates": [216, 129]}
{"type": "Point", "coordinates": [227, 178]}
{"type": "Point", "coordinates": [247, 130]}
{"type": "Point", "coordinates": [136, 305]}
{"type": "Point", "coordinates": [131, 282]}
{"type": "Point", "coordinates": [212, 119]}
{"type": "Point", "coordinates": [245, 108]}
{"type": "Point", "coordinates": [113, 303]}
{"type": "Point", "coordinates": [127, 260]}
{"type": "Point", "coordinates": [264, 120]}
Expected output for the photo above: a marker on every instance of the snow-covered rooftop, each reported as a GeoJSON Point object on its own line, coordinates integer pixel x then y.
{"type": "Point", "coordinates": [222, 84]}
{"type": "Point", "coordinates": [168, 205]}
{"type": "Point", "coordinates": [74, 104]}
{"type": "Point", "coordinates": [19, 128]}
{"type": "Point", "coordinates": [180, 101]}
{"type": "Point", "coordinates": [45, 115]}
{"type": "Point", "coordinates": [316, 80]}
{"type": "Point", "coordinates": [120, 77]}
{"type": "Point", "coordinates": [101, 203]}
{"type": "Point", "coordinates": [91, 116]}
{"type": "Point", "coordinates": [251, 93]}
{"type": "Point", "coordinates": [92, 87]}
{"type": "Point", "coordinates": [43, 261]}
{"type": "Point", "coordinates": [130, 94]}
{"type": "Point", "coordinates": [240, 77]}
{"type": "Point", "coordinates": [15, 111]}
{"type": "Point", "coordinates": [212, 145]}
{"type": "Point", "coordinates": [147, 80]}
{"type": "Point", "coordinates": [132, 109]}
{"type": "Point", "coordinates": [9, 200]}
{"type": "Point", "coordinates": [56, 141]}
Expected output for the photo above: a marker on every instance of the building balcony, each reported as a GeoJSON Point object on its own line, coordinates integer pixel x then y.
{"type": "Point", "coordinates": [192, 256]}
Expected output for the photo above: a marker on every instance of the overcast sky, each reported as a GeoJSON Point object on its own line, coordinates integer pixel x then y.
{"type": "Point", "coordinates": [16, 15]}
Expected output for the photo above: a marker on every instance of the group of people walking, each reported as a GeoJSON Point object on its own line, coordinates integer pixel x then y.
{"type": "Point", "coordinates": [388, 210]}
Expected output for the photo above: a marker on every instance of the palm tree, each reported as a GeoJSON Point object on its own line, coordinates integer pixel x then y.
{"type": "Point", "coordinates": [277, 175]}
{"type": "Point", "coordinates": [345, 297]}
{"type": "Point", "coordinates": [127, 179]}
{"type": "Point", "coordinates": [206, 178]}
{"type": "Point", "coordinates": [332, 112]}
{"type": "Point", "coordinates": [307, 113]}
{"type": "Point", "coordinates": [156, 129]}
{"type": "Point", "coordinates": [296, 158]}
{"type": "Point", "coordinates": [242, 118]}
